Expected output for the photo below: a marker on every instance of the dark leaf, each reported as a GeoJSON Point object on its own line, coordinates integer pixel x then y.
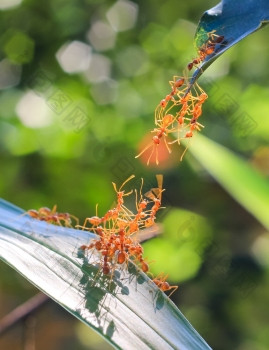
{"type": "Point", "coordinates": [232, 20]}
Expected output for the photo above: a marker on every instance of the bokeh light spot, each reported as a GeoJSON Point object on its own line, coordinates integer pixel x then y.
{"type": "Point", "coordinates": [99, 70]}
{"type": "Point", "coordinates": [74, 57]}
{"type": "Point", "coordinates": [105, 92]}
{"type": "Point", "coordinates": [122, 15]}
{"type": "Point", "coordinates": [101, 36]}
{"type": "Point", "coordinates": [133, 61]}
{"type": "Point", "coordinates": [7, 4]}
{"type": "Point", "coordinates": [33, 111]}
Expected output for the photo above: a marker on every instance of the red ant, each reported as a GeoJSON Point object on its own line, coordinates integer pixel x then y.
{"type": "Point", "coordinates": [155, 194]}
{"type": "Point", "coordinates": [141, 214]}
{"type": "Point", "coordinates": [164, 286]}
{"type": "Point", "coordinates": [197, 107]}
{"type": "Point", "coordinates": [52, 216]}
{"type": "Point", "coordinates": [136, 251]}
{"type": "Point", "coordinates": [112, 214]}
{"type": "Point", "coordinates": [159, 111]}
{"type": "Point", "coordinates": [121, 194]}
{"type": "Point", "coordinates": [185, 109]}
{"type": "Point", "coordinates": [160, 132]}
{"type": "Point", "coordinates": [94, 221]}
{"type": "Point", "coordinates": [122, 255]}
{"type": "Point", "coordinates": [194, 125]}
{"type": "Point", "coordinates": [103, 245]}
{"type": "Point", "coordinates": [176, 83]}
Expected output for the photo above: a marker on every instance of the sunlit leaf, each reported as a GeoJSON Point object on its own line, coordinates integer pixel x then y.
{"type": "Point", "coordinates": [234, 20]}
{"type": "Point", "coordinates": [128, 309]}
{"type": "Point", "coordinates": [242, 181]}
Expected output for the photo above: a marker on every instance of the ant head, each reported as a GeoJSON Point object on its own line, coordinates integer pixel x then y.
{"type": "Point", "coordinates": [190, 65]}
{"type": "Point", "coordinates": [156, 140]}
{"type": "Point", "coordinates": [163, 103]}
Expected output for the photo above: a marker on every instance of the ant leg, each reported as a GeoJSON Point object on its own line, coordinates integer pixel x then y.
{"type": "Point", "coordinates": [144, 150]}
{"type": "Point", "coordinates": [185, 150]}
{"type": "Point", "coordinates": [54, 209]}
{"type": "Point", "coordinates": [157, 155]}
{"type": "Point", "coordinates": [173, 288]}
{"type": "Point", "coordinates": [75, 218]}
{"type": "Point", "coordinates": [84, 225]}
{"type": "Point", "coordinates": [153, 148]}
{"type": "Point", "coordinates": [129, 178]}
{"type": "Point", "coordinates": [166, 144]}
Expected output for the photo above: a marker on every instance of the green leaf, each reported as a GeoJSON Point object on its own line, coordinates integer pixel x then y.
{"type": "Point", "coordinates": [242, 181]}
{"type": "Point", "coordinates": [127, 309]}
{"type": "Point", "coordinates": [232, 19]}
{"type": "Point", "coordinates": [187, 235]}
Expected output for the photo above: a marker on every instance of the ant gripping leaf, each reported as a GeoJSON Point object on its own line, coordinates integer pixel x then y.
{"type": "Point", "coordinates": [52, 216]}
{"type": "Point", "coordinates": [164, 286]}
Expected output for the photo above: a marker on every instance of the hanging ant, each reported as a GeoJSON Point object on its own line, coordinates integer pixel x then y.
{"type": "Point", "coordinates": [176, 84]}
{"type": "Point", "coordinates": [162, 131]}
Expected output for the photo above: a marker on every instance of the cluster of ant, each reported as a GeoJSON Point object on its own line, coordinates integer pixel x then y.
{"type": "Point", "coordinates": [117, 231]}
{"type": "Point", "coordinates": [180, 110]}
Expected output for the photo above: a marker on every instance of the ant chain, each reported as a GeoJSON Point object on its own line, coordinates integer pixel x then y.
{"type": "Point", "coordinates": [179, 112]}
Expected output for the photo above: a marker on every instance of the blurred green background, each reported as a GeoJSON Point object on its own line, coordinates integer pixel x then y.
{"type": "Point", "coordinates": [79, 81]}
